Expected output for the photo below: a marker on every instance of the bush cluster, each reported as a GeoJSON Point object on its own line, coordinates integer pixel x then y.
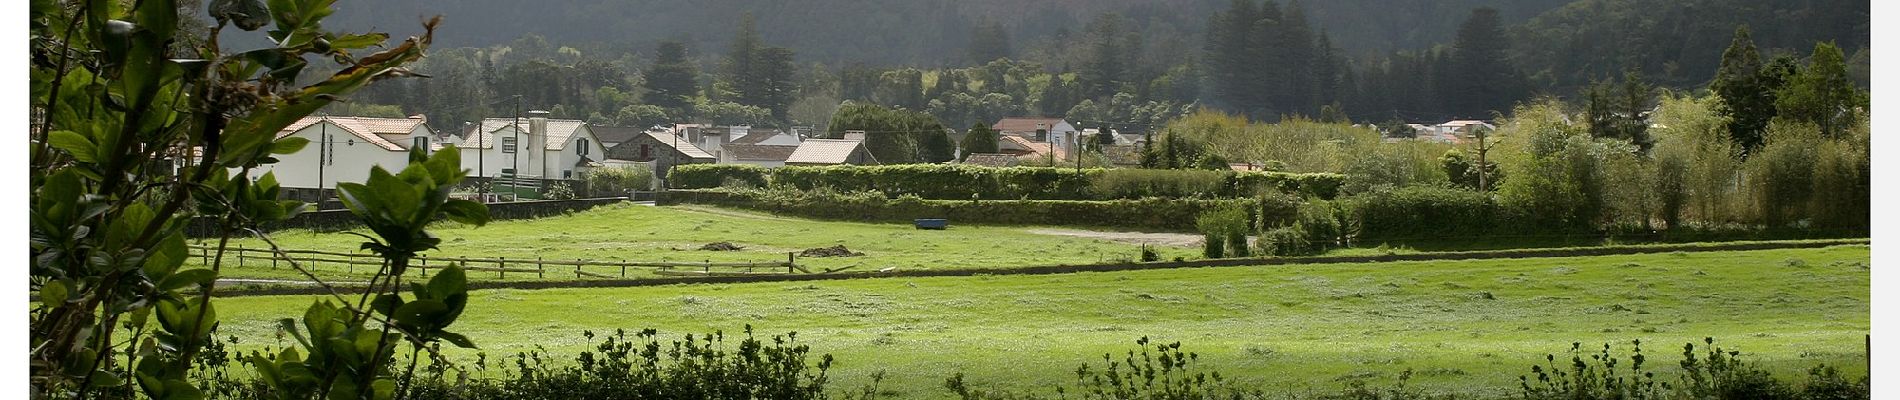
{"type": "Point", "coordinates": [963, 182]}
{"type": "Point", "coordinates": [1149, 213]}
{"type": "Point", "coordinates": [699, 176]}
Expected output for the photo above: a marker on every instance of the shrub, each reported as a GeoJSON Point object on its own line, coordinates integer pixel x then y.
{"type": "Point", "coordinates": [1138, 183]}
{"type": "Point", "coordinates": [1212, 247]}
{"type": "Point", "coordinates": [1324, 224]}
{"type": "Point", "coordinates": [617, 180]}
{"type": "Point", "coordinates": [1284, 241]}
{"type": "Point", "coordinates": [703, 176]}
{"type": "Point", "coordinates": [1237, 244]}
{"type": "Point", "coordinates": [558, 191]}
{"type": "Point", "coordinates": [1422, 212]}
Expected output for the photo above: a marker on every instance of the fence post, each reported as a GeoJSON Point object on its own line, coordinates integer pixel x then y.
{"type": "Point", "coordinates": [425, 266]}
{"type": "Point", "coordinates": [790, 261]}
{"type": "Point", "coordinates": [623, 268]}
{"type": "Point", "coordinates": [501, 268]}
{"type": "Point", "coordinates": [577, 269]}
{"type": "Point", "coordinates": [709, 267]}
{"type": "Point", "coordinates": [541, 270]}
{"type": "Point", "coordinates": [204, 253]}
{"type": "Point", "coordinates": [351, 261]}
{"type": "Point", "coordinates": [240, 251]}
{"type": "Point", "coordinates": [273, 259]}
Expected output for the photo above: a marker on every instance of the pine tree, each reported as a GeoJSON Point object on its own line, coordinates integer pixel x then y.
{"type": "Point", "coordinates": [979, 139]}
{"type": "Point", "coordinates": [773, 77]}
{"type": "Point", "coordinates": [672, 80]}
{"type": "Point", "coordinates": [1748, 101]}
{"type": "Point", "coordinates": [1101, 76]}
{"type": "Point", "coordinates": [1231, 51]}
{"type": "Point", "coordinates": [1299, 59]}
{"type": "Point", "coordinates": [738, 77]}
{"type": "Point", "coordinates": [1482, 79]}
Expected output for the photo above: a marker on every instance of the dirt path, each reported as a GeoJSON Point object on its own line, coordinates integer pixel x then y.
{"type": "Point", "coordinates": [1164, 239]}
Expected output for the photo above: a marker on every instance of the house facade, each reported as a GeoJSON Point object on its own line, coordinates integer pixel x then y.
{"type": "Point", "coordinates": [537, 147]}
{"type": "Point", "coordinates": [342, 149]}
{"type": "Point", "coordinates": [1054, 131]}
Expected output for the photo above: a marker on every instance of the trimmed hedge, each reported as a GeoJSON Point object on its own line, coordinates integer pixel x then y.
{"type": "Point", "coordinates": [1426, 212]}
{"type": "Point", "coordinates": [1150, 213]}
{"type": "Point", "coordinates": [701, 176]}
{"type": "Point", "coordinates": [964, 182]}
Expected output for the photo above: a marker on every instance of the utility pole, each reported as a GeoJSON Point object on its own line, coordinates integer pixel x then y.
{"type": "Point", "coordinates": [515, 178]}
{"type": "Point", "coordinates": [1484, 175]}
{"type": "Point", "coordinates": [323, 155]}
{"type": "Point", "coordinates": [481, 160]}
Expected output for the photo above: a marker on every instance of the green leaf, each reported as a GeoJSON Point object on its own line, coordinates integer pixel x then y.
{"type": "Point", "coordinates": [451, 281]}
{"type": "Point", "coordinates": [422, 314]}
{"type": "Point", "coordinates": [187, 278]}
{"type": "Point", "coordinates": [289, 145]}
{"type": "Point", "coordinates": [466, 211]}
{"type": "Point", "coordinates": [166, 256]}
{"type": "Point", "coordinates": [103, 378]}
{"type": "Point", "coordinates": [457, 339]}
{"type": "Point", "coordinates": [386, 304]}
{"type": "Point", "coordinates": [53, 293]}
{"type": "Point", "coordinates": [75, 144]}
{"type": "Point", "coordinates": [290, 325]}
{"type": "Point", "coordinates": [354, 41]}
{"type": "Point", "coordinates": [176, 389]}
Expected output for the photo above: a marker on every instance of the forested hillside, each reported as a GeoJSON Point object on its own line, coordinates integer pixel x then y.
{"type": "Point", "coordinates": [1677, 42]}
{"type": "Point", "coordinates": [911, 32]}
{"type": "Point", "coordinates": [1123, 63]}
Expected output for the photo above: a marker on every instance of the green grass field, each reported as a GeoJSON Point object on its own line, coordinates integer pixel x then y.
{"type": "Point", "coordinates": [642, 233]}
{"type": "Point", "coordinates": [1289, 329]}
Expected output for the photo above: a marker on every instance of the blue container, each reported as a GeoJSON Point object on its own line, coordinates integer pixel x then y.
{"type": "Point", "coordinates": [932, 223]}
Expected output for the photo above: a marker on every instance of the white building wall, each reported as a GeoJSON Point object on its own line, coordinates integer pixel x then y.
{"type": "Point", "coordinates": [489, 162]}
{"type": "Point", "coordinates": [561, 162]}
{"type": "Point", "coordinates": [351, 162]}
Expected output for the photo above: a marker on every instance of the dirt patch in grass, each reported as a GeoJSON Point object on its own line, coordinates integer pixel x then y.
{"type": "Point", "coordinates": [833, 251]}
{"type": "Point", "coordinates": [721, 246]}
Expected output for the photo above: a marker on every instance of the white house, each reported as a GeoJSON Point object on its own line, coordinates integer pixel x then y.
{"type": "Point", "coordinates": [549, 148]}
{"type": "Point", "coordinates": [342, 149]}
{"type": "Point", "coordinates": [1056, 132]}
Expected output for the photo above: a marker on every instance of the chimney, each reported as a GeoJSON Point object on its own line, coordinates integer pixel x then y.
{"type": "Point", "coordinates": [420, 117]}
{"type": "Point", "coordinates": [857, 135]}
{"type": "Point", "coordinates": [737, 132]}
{"type": "Point", "coordinates": [536, 141]}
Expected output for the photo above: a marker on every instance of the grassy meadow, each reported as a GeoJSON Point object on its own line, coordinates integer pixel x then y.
{"type": "Point", "coordinates": [1461, 326]}
{"type": "Point", "coordinates": [642, 233]}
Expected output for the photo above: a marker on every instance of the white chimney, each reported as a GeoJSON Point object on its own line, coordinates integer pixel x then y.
{"type": "Point", "coordinates": [536, 144]}
{"type": "Point", "coordinates": [854, 135]}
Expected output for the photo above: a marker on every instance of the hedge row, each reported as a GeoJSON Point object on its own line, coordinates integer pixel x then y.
{"type": "Point", "coordinates": [716, 175]}
{"type": "Point", "coordinates": [1148, 213]}
{"type": "Point", "coordinates": [963, 182]}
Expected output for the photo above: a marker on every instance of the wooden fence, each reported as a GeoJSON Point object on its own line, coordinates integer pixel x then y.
{"type": "Point", "coordinates": [317, 260]}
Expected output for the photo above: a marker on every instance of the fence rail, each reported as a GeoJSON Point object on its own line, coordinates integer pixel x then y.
{"type": "Point", "coordinates": [317, 260]}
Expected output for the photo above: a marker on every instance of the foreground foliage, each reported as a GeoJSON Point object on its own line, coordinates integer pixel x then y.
{"type": "Point", "coordinates": [148, 125]}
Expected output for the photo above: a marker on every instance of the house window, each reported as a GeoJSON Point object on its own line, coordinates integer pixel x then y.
{"type": "Point", "coordinates": [422, 142]}
{"type": "Point", "coordinates": [582, 149]}
{"type": "Point", "coordinates": [508, 172]}
{"type": "Point", "coordinates": [646, 152]}
{"type": "Point", "coordinates": [567, 174]}
{"type": "Point", "coordinates": [508, 145]}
